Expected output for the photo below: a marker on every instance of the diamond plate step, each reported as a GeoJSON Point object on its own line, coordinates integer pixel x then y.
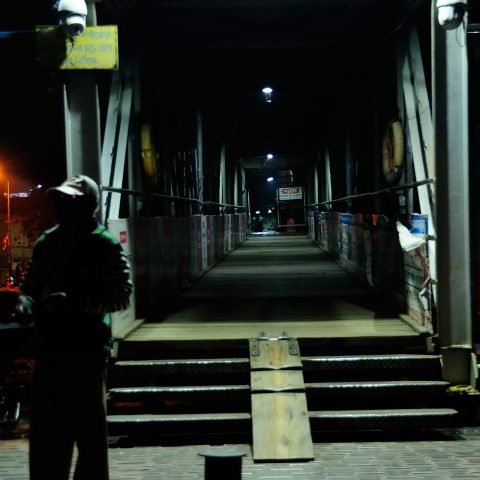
{"type": "Point", "coordinates": [382, 419]}
{"type": "Point", "coordinates": [220, 395]}
{"type": "Point", "coordinates": [179, 371]}
{"type": "Point", "coordinates": [365, 367]}
{"type": "Point", "coordinates": [195, 365]}
{"type": "Point", "coordinates": [177, 424]}
{"type": "Point", "coordinates": [420, 388]}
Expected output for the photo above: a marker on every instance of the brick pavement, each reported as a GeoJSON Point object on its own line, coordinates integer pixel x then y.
{"type": "Point", "coordinates": [449, 456]}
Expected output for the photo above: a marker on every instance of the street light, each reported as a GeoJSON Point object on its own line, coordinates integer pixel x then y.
{"type": "Point", "coordinates": [9, 233]}
{"type": "Point", "coordinates": [7, 239]}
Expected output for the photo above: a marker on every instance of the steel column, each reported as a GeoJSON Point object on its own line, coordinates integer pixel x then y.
{"type": "Point", "coordinates": [328, 177]}
{"type": "Point", "coordinates": [109, 139]}
{"type": "Point", "coordinates": [200, 154]}
{"type": "Point", "coordinates": [222, 192]}
{"type": "Point", "coordinates": [243, 193]}
{"type": "Point", "coordinates": [420, 130]}
{"type": "Point", "coordinates": [450, 120]}
{"type": "Point", "coordinates": [82, 125]}
{"type": "Point", "coordinates": [121, 150]}
{"type": "Point", "coordinates": [236, 198]}
{"type": "Point", "coordinates": [82, 118]}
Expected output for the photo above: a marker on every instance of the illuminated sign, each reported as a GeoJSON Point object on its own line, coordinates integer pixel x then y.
{"type": "Point", "coordinates": [290, 193]}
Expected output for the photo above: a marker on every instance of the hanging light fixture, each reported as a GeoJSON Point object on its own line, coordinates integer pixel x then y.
{"type": "Point", "coordinates": [267, 92]}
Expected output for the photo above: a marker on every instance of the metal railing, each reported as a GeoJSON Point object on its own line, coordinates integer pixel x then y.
{"type": "Point", "coordinates": [174, 198]}
{"type": "Point", "coordinates": [377, 193]}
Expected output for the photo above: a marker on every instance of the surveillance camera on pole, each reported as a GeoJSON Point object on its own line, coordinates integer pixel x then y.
{"type": "Point", "coordinates": [72, 16]}
{"type": "Point", "coordinates": [450, 13]}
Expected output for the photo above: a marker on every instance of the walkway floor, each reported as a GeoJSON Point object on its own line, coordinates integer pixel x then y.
{"type": "Point", "coordinates": [272, 284]}
{"type": "Point", "coordinates": [443, 456]}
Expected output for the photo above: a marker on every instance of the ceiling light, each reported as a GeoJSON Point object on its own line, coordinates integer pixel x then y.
{"type": "Point", "coordinates": [267, 92]}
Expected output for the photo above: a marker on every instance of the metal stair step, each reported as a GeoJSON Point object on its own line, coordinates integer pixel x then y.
{"type": "Point", "coordinates": [179, 372]}
{"type": "Point", "coordinates": [220, 396]}
{"type": "Point", "coordinates": [189, 366]}
{"type": "Point", "coordinates": [380, 419]}
{"type": "Point", "coordinates": [149, 392]}
{"type": "Point", "coordinates": [377, 388]}
{"type": "Point", "coordinates": [368, 362]}
{"type": "Point", "coordinates": [178, 423]}
{"type": "Point", "coordinates": [188, 348]}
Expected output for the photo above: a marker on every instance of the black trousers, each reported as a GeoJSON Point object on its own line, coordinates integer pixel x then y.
{"type": "Point", "coordinates": [68, 408]}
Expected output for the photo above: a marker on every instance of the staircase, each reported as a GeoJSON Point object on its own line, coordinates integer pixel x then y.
{"type": "Point", "coordinates": [193, 395]}
{"type": "Point", "coordinates": [199, 398]}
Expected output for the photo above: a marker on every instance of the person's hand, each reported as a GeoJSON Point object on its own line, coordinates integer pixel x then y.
{"type": "Point", "coordinates": [56, 302]}
{"type": "Point", "coordinates": [24, 306]}
{"type": "Point", "coordinates": [24, 309]}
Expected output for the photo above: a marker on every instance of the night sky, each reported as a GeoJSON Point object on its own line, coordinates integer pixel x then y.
{"type": "Point", "coordinates": [31, 109]}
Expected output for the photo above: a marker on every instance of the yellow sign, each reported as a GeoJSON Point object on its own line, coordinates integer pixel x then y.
{"type": "Point", "coordinates": [95, 49]}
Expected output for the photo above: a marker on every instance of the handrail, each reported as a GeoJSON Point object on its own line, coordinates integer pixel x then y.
{"type": "Point", "coordinates": [377, 193]}
{"type": "Point", "coordinates": [173, 198]}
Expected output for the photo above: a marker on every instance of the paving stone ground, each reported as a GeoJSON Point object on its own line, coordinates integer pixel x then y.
{"type": "Point", "coordinates": [451, 455]}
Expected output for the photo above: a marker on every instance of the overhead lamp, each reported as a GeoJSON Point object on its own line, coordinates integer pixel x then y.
{"type": "Point", "coordinates": [450, 13]}
{"type": "Point", "coordinates": [269, 156]}
{"type": "Point", "coordinates": [270, 179]}
{"type": "Point", "coordinates": [267, 92]}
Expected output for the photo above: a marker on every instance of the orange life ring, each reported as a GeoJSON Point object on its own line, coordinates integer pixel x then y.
{"type": "Point", "coordinates": [148, 153]}
{"type": "Point", "coordinates": [393, 151]}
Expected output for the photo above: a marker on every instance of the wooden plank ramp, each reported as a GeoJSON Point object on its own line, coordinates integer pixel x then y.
{"type": "Point", "coordinates": [280, 420]}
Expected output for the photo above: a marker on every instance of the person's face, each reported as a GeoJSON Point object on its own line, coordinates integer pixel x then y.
{"type": "Point", "coordinates": [71, 209]}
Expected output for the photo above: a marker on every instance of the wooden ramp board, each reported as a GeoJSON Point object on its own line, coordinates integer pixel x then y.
{"type": "Point", "coordinates": [280, 421]}
{"type": "Point", "coordinates": [274, 354]}
{"type": "Point", "coordinates": [281, 427]}
{"type": "Point", "coordinates": [276, 381]}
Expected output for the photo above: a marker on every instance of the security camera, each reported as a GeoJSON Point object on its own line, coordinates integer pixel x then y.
{"type": "Point", "coordinates": [450, 13]}
{"type": "Point", "coordinates": [72, 16]}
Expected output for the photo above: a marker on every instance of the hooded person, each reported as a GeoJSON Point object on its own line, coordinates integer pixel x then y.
{"type": "Point", "coordinates": [78, 274]}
